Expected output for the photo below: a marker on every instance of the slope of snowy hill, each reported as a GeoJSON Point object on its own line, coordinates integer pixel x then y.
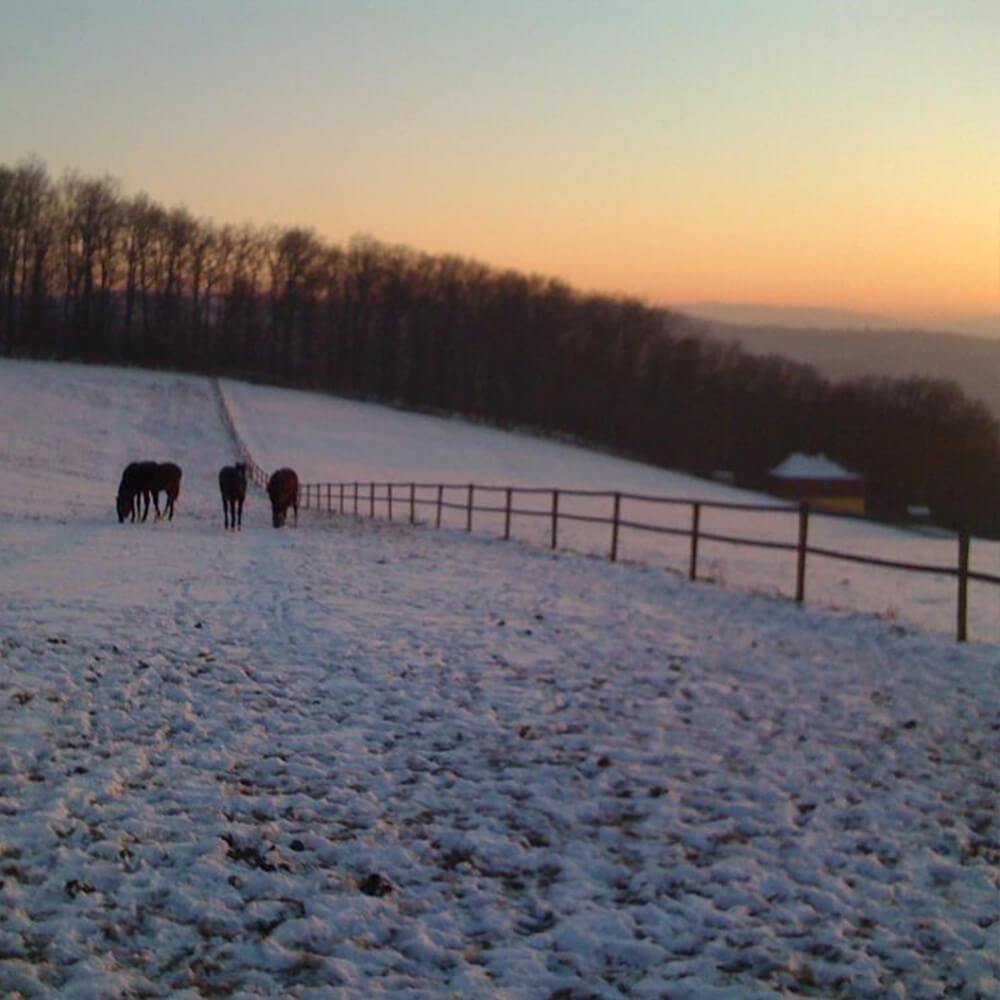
{"type": "Point", "coordinates": [360, 759]}
{"type": "Point", "coordinates": [336, 440]}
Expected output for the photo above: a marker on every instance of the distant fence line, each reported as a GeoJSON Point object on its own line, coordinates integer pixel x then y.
{"type": "Point", "coordinates": [256, 473]}
{"type": "Point", "coordinates": [365, 499]}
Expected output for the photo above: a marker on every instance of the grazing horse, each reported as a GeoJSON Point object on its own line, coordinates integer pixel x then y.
{"type": "Point", "coordinates": [283, 489]}
{"type": "Point", "coordinates": [168, 479]}
{"type": "Point", "coordinates": [138, 483]}
{"type": "Point", "coordinates": [233, 487]}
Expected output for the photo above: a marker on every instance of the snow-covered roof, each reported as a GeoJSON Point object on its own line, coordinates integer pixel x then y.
{"type": "Point", "coordinates": [800, 466]}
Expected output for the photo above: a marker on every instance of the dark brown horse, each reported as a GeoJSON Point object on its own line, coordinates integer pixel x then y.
{"type": "Point", "coordinates": [283, 489]}
{"type": "Point", "coordinates": [233, 487]}
{"type": "Point", "coordinates": [138, 484]}
{"type": "Point", "coordinates": [168, 479]}
{"type": "Point", "coordinates": [142, 481]}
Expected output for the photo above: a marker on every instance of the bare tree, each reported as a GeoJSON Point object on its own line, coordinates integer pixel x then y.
{"type": "Point", "coordinates": [90, 220]}
{"type": "Point", "coordinates": [27, 221]}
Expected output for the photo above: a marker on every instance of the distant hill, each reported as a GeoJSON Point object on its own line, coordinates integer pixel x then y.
{"type": "Point", "coordinates": [972, 362]}
{"type": "Point", "coordinates": [816, 318]}
{"type": "Point", "coordinates": [752, 314]}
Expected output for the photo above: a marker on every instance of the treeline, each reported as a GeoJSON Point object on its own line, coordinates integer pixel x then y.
{"type": "Point", "coordinates": [89, 273]}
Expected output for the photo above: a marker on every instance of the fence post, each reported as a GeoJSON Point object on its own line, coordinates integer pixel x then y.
{"type": "Point", "coordinates": [389, 489]}
{"type": "Point", "coordinates": [437, 519]}
{"type": "Point", "coordinates": [963, 584]}
{"type": "Point", "coordinates": [341, 505]}
{"type": "Point", "coordinates": [468, 509]}
{"type": "Point", "coordinates": [371, 499]}
{"type": "Point", "coordinates": [355, 498]}
{"type": "Point", "coordinates": [506, 516]}
{"type": "Point", "coordinates": [615, 520]}
{"type": "Point", "coordinates": [695, 521]}
{"type": "Point", "coordinates": [800, 575]}
{"type": "Point", "coordinates": [413, 503]}
{"type": "Point", "coordinates": [555, 517]}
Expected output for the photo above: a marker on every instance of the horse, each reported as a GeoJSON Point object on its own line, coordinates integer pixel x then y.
{"type": "Point", "coordinates": [168, 479]}
{"type": "Point", "coordinates": [233, 487]}
{"type": "Point", "coordinates": [138, 483]}
{"type": "Point", "coordinates": [283, 489]}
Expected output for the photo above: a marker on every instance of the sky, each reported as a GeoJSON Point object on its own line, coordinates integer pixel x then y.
{"type": "Point", "coordinates": [830, 154]}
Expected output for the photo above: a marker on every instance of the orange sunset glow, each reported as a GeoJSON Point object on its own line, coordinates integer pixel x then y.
{"type": "Point", "coordinates": [826, 154]}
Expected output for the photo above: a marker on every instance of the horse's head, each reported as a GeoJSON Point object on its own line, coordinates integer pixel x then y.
{"type": "Point", "coordinates": [123, 504]}
{"type": "Point", "coordinates": [278, 514]}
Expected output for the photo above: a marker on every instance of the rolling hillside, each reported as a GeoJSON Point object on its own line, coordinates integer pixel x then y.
{"type": "Point", "coordinates": [331, 440]}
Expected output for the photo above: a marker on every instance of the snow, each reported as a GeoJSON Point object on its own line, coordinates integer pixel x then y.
{"type": "Point", "coordinates": [370, 759]}
{"type": "Point", "coordinates": [331, 440]}
{"type": "Point", "coordinates": [799, 466]}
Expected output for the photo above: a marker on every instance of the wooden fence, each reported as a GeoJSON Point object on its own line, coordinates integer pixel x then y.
{"type": "Point", "coordinates": [254, 471]}
{"type": "Point", "coordinates": [403, 501]}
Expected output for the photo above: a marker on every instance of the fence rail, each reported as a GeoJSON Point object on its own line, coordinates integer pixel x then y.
{"type": "Point", "coordinates": [403, 500]}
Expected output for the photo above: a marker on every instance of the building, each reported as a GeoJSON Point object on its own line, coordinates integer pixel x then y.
{"type": "Point", "coordinates": [820, 482]}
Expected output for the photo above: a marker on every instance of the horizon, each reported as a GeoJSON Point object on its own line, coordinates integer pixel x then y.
{"type": "Point", "coordinates": [827, 319]}
{"type": "Point", "coordinates": [781, 157]}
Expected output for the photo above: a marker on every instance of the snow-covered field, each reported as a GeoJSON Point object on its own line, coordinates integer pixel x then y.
{"type": "Point", "coordinates": [337, 440]}
{"type": "Point", "coordinates": [358, 759]}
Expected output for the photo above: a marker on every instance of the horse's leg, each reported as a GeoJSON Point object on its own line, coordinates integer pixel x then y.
{"type": "Point", "coordinates": [143, 500]}
{"type": "Point", "coordinates": [238, 513]}
{"type": "Point", "coordinates": [225, 514]}
{"type": "Point", "coordinates": [295, 508]}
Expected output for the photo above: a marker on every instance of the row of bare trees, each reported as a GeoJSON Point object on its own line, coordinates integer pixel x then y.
{"type": "Point", "coordinates": [89, 273]}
